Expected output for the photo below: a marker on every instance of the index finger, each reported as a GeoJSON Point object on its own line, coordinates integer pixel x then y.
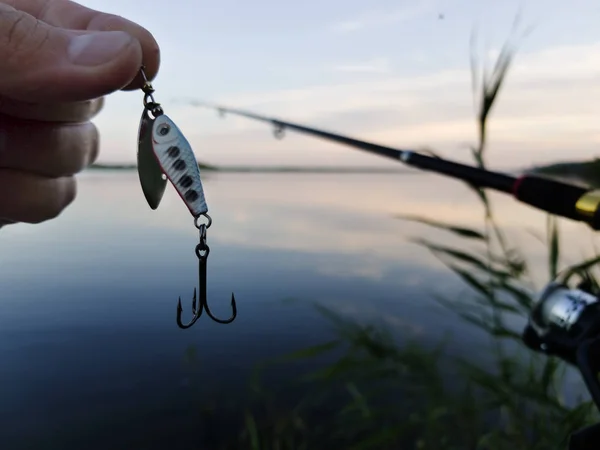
{"type": "Point", "coordinates": [71, 15]}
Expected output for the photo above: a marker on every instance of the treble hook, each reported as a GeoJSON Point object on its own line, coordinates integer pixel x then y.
{"type": "Point", "coordinates": [202, 251]}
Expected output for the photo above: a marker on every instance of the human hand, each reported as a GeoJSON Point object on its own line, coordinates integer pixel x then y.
{"type": "Point", "coordinates": [57, 61]}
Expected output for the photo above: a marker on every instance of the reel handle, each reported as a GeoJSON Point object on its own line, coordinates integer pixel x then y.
{"type": "Point", "coordinates": [585, 439]}
{"type": "Point", "coordinates": [588, 362]}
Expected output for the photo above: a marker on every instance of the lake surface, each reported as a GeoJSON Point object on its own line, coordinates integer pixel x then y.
{"type": "Point", "coordinates": [90, 355]}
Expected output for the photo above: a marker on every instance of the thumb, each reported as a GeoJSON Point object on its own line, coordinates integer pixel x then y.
{"type": "Point", "coordinates": [41, 63]}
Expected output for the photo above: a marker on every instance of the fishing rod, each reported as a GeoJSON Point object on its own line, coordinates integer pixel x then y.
{"type": "Point", "coordinates": [552, 196]}
{"type": "Point", "coordinates": [565, 320]}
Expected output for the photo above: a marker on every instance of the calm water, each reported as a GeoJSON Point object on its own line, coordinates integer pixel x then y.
{"type": "Point", "coordinates": [90, 355]}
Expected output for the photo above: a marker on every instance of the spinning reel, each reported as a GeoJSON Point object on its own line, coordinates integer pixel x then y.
{"type": "Point", "coordinates": [566, 323]}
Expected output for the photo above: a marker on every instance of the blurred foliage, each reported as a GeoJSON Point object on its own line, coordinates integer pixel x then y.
{"type": "Point", "coordinates": [381, 394]}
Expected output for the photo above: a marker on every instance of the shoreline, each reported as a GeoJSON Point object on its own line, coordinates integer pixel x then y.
{"type": "Point", "coordinates": [569, 170]}
{"type": "Point", "coordinates": [267, 169]}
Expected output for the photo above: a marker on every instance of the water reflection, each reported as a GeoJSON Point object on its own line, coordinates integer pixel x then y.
{"type": "Point", "coordinates": [87, 314]}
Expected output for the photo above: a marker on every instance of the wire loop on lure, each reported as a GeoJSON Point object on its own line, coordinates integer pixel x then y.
{"type": "Point", "coordinates": [149, 103]}
{"type": "Point", "coordinates": [202, 251]}
{"type": "Point", "coordinates": [199, 225]}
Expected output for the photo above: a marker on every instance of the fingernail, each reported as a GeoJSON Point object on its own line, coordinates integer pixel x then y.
{"type": "Point", "coordinates": [95, 49]}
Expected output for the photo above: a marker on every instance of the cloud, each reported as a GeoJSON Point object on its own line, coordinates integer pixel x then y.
{"type": "Point", "coordinates": [548, 107]}
{"type": "Point", "coordinates": [409, 10]}
{"type": "Point", "coordinates": [376, 65]}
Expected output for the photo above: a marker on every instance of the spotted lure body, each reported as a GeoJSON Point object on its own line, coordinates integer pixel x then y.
{"type": "Point", "coordinates": [178, 162]}
{"type": "Point", "coordinates": [165, 154]}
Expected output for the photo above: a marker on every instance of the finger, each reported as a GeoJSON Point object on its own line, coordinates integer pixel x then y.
{"type": "Point", "coordinates": [52, 112]}
{"type": "Point", "coordinates": [4, 221]}
{"type": "Point", "coordinates": [47, 149]}
{"type": "Point", "coordinates": [43, 64]}
{"type": "Point", "coordinates": [30, 198]}
{"type": "Point", "coordinates": [71, 15]}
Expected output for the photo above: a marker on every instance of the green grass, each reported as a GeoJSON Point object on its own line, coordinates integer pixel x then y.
{"type": "Point", "coordinates": [379, 393]}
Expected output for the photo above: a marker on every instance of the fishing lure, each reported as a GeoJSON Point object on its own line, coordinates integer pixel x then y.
{"type": "Point", "coordinates": [165, 154]}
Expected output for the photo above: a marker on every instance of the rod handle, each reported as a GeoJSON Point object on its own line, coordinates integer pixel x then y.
{"type": "Point", "coordinates": [558, 198]}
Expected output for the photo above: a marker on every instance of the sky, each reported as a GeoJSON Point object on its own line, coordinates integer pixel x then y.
{"type": "Point", "coordinates": [388, 71]}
